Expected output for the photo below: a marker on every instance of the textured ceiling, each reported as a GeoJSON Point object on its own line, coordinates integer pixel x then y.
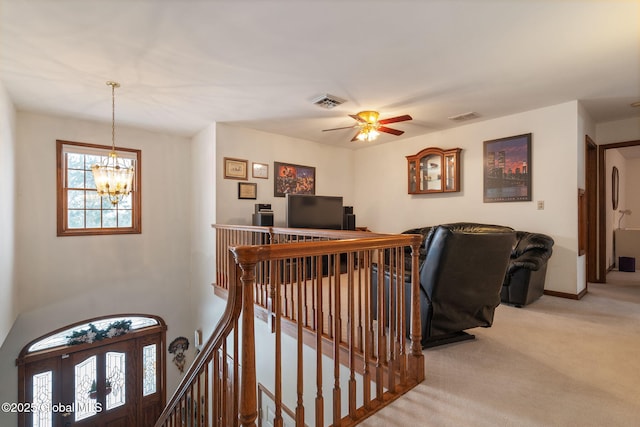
{"type": "Point", "coordinates": [184, 64]}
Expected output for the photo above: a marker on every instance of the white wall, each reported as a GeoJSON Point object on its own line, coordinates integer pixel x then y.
{"type": "Point", "coordinates": [632, 200]}
{"type": "Point", "coordinates": [618, 131]}
{"type": "Point", "coordinates": [62, 280]}
{"type": "Point", "coordinates": [334, 171]}
{"type": "Point", "coordinates": [384, 205]}
{"type": "Point", "coordinates": [206, 307]}
{"type": "Point", "coordinates": [8, 290]}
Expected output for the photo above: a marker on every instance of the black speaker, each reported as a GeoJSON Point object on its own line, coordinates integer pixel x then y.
{"type": "Point", "coordinates": [347, 209]}
{"type": "Point", "coordinates": [264, 219]}
{"type": "Point", "coordinates": [348, 221]}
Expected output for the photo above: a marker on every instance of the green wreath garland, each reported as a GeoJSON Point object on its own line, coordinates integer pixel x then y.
{"type": "Point", "coordinates": [115, 329]}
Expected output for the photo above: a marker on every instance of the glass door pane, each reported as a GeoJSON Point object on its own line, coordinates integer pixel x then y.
{"type": "Point", "coordinates": [42, 399]}
{"type": "Point", "coordinates": [85, 381]}
{"type": "Point", "coordinates": [116, 374]}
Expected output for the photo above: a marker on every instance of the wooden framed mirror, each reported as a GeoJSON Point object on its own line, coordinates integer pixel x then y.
{"type": "Point", "coordinates": [615, 187]}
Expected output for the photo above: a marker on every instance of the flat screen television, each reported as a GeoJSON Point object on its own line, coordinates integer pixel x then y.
{"type": "Point", "coordinates": [309, 211]}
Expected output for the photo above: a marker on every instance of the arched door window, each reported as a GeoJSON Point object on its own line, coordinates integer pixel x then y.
{"type": "Point", "coordinates": [104, 371]}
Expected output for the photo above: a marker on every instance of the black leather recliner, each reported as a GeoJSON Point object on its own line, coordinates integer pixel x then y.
{"type": "Point", "coordinates": [460, 280]}
{"type": "Point", "coordinates": [524, 281]}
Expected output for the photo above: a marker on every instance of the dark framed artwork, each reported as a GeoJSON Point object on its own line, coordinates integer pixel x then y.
{"type": "Point", "coordinates": [293, 179]}
{"type": "Point", "coordinates": [507, 169]}
{"type": "Point", "coordinates": [235, 168]}
{"type": "Point", "coordinates": [247, 190]}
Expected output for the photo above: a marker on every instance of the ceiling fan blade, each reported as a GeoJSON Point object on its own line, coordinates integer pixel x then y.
{"type": "Point", "coordinates": [396, 119]}
{"type": "Point", "coordinates": [346, 127]}
{"type": "Point", "coordinates": [355, 137]}
{"type": "Point", "coordinates": [358, 118]}
{"type": "Point", "coordinates": [391, 131]}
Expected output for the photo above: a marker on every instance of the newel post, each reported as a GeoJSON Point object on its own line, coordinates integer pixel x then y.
{"type": "Point", "coordinates": [246, 258]}
{"type": "Point", "coordinates": [416, 358]}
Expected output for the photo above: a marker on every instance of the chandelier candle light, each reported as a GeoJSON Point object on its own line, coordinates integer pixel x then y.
{"type": "Point", "coordinates": [113, 177]}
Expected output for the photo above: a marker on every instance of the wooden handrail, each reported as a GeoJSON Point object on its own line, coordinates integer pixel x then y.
{"type": "Point", "coordinates": [319, 281]}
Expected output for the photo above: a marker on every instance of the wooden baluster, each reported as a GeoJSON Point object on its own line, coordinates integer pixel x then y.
{"type": "Point", "coordinates": [216, 389]}
{"type": "Point", "coordinates": [330, 263]}
{"type": "Point", "coordinates": [381, 348]}
{"type": "Point", "coordinates": [319, 327]}
{"type": "Point", "coordinates": [402, 329]}
{"type": "Point", "coordinates": [337, 333]}
{"type": "Point", "coordinates": [303, 298]}
{"type": "Point", "coordinates": [277, 420]}
{"type": "Point", "coordinates": [416, 362]}
{"type": "Point", "coordinates": [205, 397]}
{"type": "Point", "coordinates": [300, 363]}
{"type": "Point", "coordinates": [394, 284]}
{"type": "Point", "coordinates": [361, 270]}
{"type": "Point", "coordinates": [351, 330]}
{"type": "Point", "coordinates": [368, 336]}
{"type": "Point", "coordinates": [314, 285]}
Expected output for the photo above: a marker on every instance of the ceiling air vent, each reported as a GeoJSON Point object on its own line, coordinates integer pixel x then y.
{"type": "Point", "coordinates": [328, 101]}
{"type": "Point", "coordinates": [464, 116]}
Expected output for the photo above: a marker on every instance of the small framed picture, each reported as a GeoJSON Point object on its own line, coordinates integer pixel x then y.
{"type": "Point", "coordinates": [235, 168]}
{"type": "Point", "coordinates": [247, 190]}
{"type": "Point", "coordinates": [260, 170]}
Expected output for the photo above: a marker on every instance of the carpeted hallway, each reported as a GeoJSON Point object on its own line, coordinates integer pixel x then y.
{"type": "Point", "coordinates": [556, 362]}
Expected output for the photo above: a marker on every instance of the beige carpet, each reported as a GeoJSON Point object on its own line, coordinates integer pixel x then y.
{"type": "Point", "coordinates": [556, 362]}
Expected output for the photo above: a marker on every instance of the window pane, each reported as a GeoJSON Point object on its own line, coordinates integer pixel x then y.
{"type": "Point", "coordinates": [109, 218]}
{"type": "Point", "coordinates": [61, 338]}
{"type": "Point", "coordinates": [115, 379]}
{"type": "Point", "coordinates": [42, 398]}
{"type": "Point", "coordinates": [92, 160]}
{"type": "Point", "coordinates": [148, 369]}
{"type": "Point", "coordinates": [85, 380]}
{"type": "Point", "coordinates": [75, 199]}
{"type": "Point", "coordinates": [93, 201]}
{"type": "Point", "coordinates": [75, 179]}
{"type": "Point", "coordinates": [125, 203]}
{"type": "Point", "coordinates": [106, 203]}
{"type": "Point", "coordinates": [124, 218]}
{"type": "Point", "coordinates": [75, 219]}
{"type": "Point", "coordinates": [89, 181]}
{"type": "Point", "coordinates": [75, 161]}
{"type": "Point", "coordinates": [94, 218]}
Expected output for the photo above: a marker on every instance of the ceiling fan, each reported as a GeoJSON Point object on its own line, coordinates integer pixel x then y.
{"type": "Point", "coordinates": [370, 126]}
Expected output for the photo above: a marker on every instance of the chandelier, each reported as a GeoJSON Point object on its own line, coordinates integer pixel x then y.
{"type": "Point", "coordinates": [113, 177]}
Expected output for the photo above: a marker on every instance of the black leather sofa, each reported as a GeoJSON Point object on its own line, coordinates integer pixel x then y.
{"type": "Point", "coordinates": [462, 270]}
{"type": "Point", "coordinates": [525, 278]}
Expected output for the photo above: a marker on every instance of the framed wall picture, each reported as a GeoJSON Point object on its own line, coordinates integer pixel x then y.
{"type": "Point", "coordinates": [235, 168]}
{"type": "Point", "coordinates": [507, 169]}
{"type": "Point", "coordinates": [247, 190]}
{"type": "Point", "coordinates": [293, 179]}
{"type": "Point", "coordinates": [260, 170]}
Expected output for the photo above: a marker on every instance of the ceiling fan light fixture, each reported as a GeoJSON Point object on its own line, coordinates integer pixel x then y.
{"type": "Point", "coordinates": [368, 134]}
{"type": "Point", "coordinates": [369, 116]}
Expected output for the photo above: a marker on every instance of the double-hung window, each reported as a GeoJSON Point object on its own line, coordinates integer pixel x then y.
{"type": "Point", "coordinates": [81, 211]}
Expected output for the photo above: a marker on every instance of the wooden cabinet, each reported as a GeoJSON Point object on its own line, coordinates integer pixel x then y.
{"type": "Point", "coordinates": [434, 170]}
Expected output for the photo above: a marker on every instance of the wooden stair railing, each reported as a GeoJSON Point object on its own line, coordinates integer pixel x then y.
{"type": "Point", "coordinates": [323, 287]}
